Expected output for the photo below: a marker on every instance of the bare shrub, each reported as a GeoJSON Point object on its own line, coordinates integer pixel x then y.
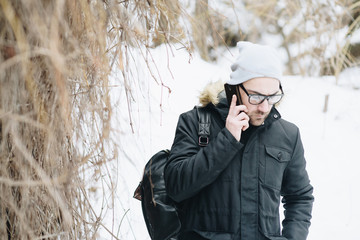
{"type": "Point", "coordinates": [316, 36]}
{"type": "Point", "coordinates": [56, 59]}
{"type": "Point", "coordinates": [55, 110]}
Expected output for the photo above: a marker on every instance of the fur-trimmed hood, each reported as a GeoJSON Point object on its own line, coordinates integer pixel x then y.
{"type": "Point", "coordinates": [211, 93]}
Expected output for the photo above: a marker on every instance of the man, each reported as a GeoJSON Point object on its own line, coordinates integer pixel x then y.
{"type": "Point", "coordinates": [231, 188]}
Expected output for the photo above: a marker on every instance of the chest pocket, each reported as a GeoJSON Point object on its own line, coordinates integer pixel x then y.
{"type": "Point", "coordinates": [276, 160]}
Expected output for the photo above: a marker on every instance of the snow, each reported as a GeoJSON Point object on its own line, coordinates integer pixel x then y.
{"type": "Point", "coordinates": [330, 138]}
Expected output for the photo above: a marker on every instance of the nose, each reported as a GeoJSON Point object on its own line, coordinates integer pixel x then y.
{"type": "Point", "coordinates": [264, 106]}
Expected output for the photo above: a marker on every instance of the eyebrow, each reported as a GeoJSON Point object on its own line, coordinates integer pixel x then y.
{"type": "Point", "coordinates": [258, 93]}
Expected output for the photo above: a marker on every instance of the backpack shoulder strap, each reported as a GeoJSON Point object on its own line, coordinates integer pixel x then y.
{"type": "Point", "coordinates": [204, 125]}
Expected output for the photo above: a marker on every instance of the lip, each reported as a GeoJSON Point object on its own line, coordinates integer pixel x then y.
{"type": "Point", "coordinates": [259, 116]}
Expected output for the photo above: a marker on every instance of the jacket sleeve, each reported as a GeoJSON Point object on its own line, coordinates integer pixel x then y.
{"type": "Point", "coordinates": [297, 196]}
{"type": "Point", "coordinates": [190, 167]}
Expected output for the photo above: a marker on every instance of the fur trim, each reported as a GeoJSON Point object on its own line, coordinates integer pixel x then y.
{"type": "Point", "coordinates": [210, 93]}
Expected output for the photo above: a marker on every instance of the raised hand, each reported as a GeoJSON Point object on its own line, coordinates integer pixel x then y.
{"type": "Point", "coordinates": [237, 119]}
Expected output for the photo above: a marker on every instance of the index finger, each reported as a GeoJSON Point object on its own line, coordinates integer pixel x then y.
{"type": "Point", "coordinates": [233, 103]}
{"type": "Point", "coordinates": [232, 110]}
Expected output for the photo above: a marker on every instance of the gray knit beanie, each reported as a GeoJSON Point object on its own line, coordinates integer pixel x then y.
{"type": "Point", "coordinates": [255, 61]}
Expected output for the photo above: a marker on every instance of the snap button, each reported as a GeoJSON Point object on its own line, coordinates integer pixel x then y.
{"type": "Point", "coordinates": [276, 116]}
{"type": "Point", "coordinates": [279, 155]}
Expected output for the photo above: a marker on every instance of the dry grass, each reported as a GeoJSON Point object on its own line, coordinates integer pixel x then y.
{"type": "Point", "coordinates": [55, 111]}
{"type": "Point", "coordinates": [316, 28]}
{"type": "Point", "coordinates": [55, 62]}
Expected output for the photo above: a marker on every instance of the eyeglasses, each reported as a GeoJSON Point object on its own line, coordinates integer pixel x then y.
{"type": "Point", "coordinates": [256, 99]}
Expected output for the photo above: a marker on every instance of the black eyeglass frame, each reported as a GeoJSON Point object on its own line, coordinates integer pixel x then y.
{"type": "Point", "coordinates": [265, 97]}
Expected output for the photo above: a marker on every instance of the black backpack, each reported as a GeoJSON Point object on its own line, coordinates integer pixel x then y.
{"type": "Point", "coordinates": [158, 208]}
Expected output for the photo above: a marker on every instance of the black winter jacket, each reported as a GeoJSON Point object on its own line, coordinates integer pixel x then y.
{"type": "Point", "coordinates": [230, 191]}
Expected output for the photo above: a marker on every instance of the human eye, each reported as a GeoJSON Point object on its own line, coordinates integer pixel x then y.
{"type": "Point", "coordinates": [274, 98]}
{"type": "Point", "coordinates": [255, 98]}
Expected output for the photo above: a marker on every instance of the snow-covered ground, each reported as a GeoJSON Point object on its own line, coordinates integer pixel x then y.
{"type": "Point", "coordinates": [331, 138]}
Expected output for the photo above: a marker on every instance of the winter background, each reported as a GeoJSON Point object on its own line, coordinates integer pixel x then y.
{"type": "Point", "coordinates": [314, 37]}
{"type": "Point", "coordinates": [330, 136]}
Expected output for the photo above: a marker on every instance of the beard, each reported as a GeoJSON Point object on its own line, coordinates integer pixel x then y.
{"type": "Point", "coordinates": [257, 118]}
